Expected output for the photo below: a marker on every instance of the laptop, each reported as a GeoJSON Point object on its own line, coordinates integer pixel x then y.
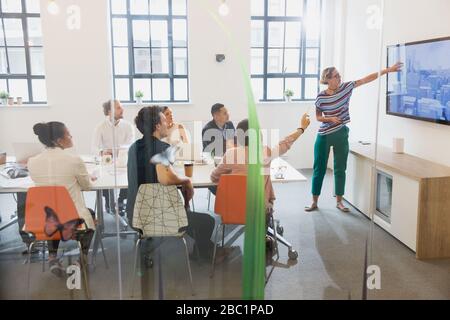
{"type": "Point", "coordinates": [189, 152]}
{"type": "Point", "coordinates": [25, 150]}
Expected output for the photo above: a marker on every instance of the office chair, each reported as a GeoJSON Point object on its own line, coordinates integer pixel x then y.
{"type": "Point", "coordinates": [58, 199]}
{"type": "Point", "coordinates": [159, 212]}
{"type": "Point", "coordinates": [230, 204]}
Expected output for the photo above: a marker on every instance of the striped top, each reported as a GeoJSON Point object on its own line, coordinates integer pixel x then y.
{"type": "Point", "coordinates": [335, 105]}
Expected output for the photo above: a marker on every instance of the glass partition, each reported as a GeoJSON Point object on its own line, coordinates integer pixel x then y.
{"type": "Point", "coordinates": [264, 149]}
{"type": "Point", "coordinates": [409, 245]}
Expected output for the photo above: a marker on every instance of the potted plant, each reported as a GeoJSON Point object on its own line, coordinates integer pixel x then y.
{"type": "Point", "coordinates": [4, 97]}
{"type": "Point", "coordinates": [289, 94]}
{"type": "Point", "coordinates": [139, 95]}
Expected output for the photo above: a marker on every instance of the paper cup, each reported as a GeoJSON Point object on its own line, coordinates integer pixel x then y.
{"type": "Point", "coordinates": [189, 169]}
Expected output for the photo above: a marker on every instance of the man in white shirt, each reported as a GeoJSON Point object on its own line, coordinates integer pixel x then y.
{"type": "Point", "coordinates": [105, 142]}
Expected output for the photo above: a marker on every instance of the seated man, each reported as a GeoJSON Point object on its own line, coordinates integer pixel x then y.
{"type": "Point", "coordinates": [235, 160]}
{"type": "Point", "coordinates": [152, 123]}
{"type": "Point", "coordinates": [218, 134]}
{"type": "Point", "coordinates": [104, 143]}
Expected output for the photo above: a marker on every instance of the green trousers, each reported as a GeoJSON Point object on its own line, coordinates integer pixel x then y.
{"type": "Point", "coordinates": [339, 141]}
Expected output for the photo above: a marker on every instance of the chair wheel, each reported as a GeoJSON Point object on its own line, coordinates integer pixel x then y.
{"type": "Point", "coordinates": [280, 230]}
{"type": "Point", "coordinates": [292, 254]}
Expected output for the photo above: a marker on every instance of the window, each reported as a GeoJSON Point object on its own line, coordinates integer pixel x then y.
{"type": "Point", "coordinates": [149, 49]}
{"type": "Point", "coordinates": [285, 48]}
{"type": "Point", "coordinates": [22, 72]}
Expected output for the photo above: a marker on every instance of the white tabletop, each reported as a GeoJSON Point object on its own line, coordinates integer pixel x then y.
{"type": "Point", "coordinates": [109, 176]}
{"type": "Point", "coordinates": [202, 173]}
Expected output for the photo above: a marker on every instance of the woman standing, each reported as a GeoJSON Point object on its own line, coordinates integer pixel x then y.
{"type": "Point", "coordinates": [332, 110]}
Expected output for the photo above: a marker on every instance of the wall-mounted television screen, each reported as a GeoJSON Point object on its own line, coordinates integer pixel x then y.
{"type": "Point", "coordinates": [422, 89]}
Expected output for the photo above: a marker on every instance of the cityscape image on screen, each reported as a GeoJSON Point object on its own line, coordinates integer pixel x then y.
{"type": "Point", "coordinates": [422, 89]}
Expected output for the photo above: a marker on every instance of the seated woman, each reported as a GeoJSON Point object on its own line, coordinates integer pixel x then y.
{"type": "Point", "coordinates": [235, 160]}
{"type": "Point", "coordinates": [176, 132]}
{"type": "Point", "coordinates": [56, 167]}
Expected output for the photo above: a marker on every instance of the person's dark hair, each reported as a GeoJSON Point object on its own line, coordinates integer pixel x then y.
{"type": "Point", "coordinates": [164, 109]}
{"type": "Point", "coordinates": [147, 119]}
{"type": "Point", "coordinates": [242, 129]}
{"type": "Point", "coordinates": [107, 106]}
{"type": "Point", "coordinates": [216, 108]}
{"type": "Point", "coordinates": [48, 133]}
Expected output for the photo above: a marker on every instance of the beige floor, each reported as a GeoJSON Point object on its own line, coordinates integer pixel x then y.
{"type": "Point", "coordinates": [331, 263]}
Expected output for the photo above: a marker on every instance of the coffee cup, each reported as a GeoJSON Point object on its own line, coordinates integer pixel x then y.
{"type": "Point", "coordinates": [188, 169]}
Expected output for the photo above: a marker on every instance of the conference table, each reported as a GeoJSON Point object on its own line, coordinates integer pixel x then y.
{"type": "Point", "coordinates": [114, 177]}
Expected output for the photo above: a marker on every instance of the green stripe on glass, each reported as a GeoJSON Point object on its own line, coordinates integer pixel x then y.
{"type": "Point", "coordinates": [253, 275]}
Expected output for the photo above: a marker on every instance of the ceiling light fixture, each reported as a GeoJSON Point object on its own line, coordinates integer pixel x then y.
{"type": "Point", "coordinates": [224, 10]}
{"type": "Point", "coordinates": [53, 7]}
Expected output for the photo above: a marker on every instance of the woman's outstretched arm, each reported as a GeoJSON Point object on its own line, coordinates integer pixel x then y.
{"type": "Point", "coordinates": [285, 144]}
{"type": "Point", "coordinates": [371, 77]}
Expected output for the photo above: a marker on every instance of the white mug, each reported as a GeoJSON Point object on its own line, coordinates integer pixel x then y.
{"type": "Point", "coordinates": [398, 145]}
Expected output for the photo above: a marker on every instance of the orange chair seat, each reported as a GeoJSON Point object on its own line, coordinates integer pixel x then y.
{"type": "Point", "coordinates": [54, 197]}
{"type": "Point", "coordinates": [231, 198]}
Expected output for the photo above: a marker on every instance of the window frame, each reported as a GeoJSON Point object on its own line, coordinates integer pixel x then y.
{"type": "Point", "coordinates": [23, 16]}
{"type": "Point", "coordinates": [132, 75]}
{"type": "Point", "coordinates": [301, 75]}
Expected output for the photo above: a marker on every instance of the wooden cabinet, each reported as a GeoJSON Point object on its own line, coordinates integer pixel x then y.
{"type": "Point", "coordinates": [420, 208]}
